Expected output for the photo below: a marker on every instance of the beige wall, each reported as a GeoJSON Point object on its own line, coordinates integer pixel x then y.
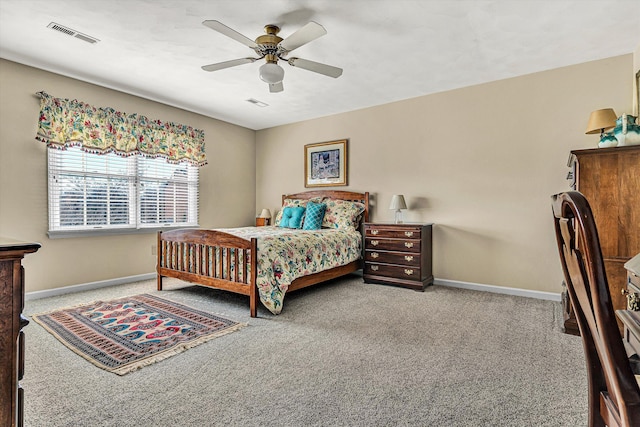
{"type": "Point", "coordinates": [480, 163]}
{"type": "Point", "coordinates": [227, 183]}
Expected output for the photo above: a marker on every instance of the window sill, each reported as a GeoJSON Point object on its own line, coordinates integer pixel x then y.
{"type": "Point", "coordinates": [66, 234]}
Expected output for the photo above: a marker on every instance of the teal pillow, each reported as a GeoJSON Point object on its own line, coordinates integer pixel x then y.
{"type": "Point", "coordinates": [315, 215]}
{"type": "Point", "coordinates": [292, 217]}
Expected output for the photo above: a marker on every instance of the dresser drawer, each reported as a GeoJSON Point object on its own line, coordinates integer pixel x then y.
{"type": "Point", "coordinates": [398, 245]}
{"type": "Point", "coordinates": [401, 258]}
{"type": "Point", "coordinates": [393, 233]}
{"type": "Point", "coordinates": [394, 271]}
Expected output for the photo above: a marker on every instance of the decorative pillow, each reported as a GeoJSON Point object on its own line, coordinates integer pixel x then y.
{"type": "Point", "coordinates": [314, 216]}
{"type": "Point", "coordinates": [342, 214]}
{"type": "Point", "coordinates": [295, 202]}
{"type": "Point", "coordinates": [292, 217]}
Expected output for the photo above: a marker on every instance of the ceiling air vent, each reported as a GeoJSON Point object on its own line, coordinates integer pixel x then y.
{"type": "Point", "coordinates": [257, 103]}
{"type": "Point", "coordinates": [73, 33]}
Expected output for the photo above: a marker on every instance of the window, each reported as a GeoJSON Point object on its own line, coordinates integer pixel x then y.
{"type": "Point", "coordinates": [91, 192]}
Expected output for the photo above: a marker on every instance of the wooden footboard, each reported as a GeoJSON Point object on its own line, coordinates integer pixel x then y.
{"type": "Point", "coordinates": [209, 258]}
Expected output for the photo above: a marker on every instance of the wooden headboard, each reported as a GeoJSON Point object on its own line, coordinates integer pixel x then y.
{"type": "Point", "coordinates": [335, 194]}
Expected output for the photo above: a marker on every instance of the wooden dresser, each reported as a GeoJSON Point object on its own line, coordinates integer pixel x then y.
{"type": "Point", "coordinates": [610, 180]}
{"type": "Point", "coordinates": [11, 323]}
{"type": "Point", "coordinates": [398, 254]}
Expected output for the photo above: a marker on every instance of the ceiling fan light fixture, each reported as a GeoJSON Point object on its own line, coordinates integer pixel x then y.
{"type": "Point", "coordinates": [271, 73]}
{"type": "Point", "coordinates": [273, 48]}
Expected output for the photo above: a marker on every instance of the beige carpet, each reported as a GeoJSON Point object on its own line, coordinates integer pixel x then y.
{"type": "Point", "coordinates": [344, 353]}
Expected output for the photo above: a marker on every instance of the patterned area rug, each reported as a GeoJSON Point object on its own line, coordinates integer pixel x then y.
{"type": "Point", "coordinates": [126, 334]}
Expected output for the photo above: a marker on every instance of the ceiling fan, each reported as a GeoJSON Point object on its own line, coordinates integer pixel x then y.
{"type": "Point", "coordinates": [272, 48]}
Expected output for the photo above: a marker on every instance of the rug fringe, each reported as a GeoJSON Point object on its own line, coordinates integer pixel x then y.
{"type": "Point", "coordinates": [44, 313]}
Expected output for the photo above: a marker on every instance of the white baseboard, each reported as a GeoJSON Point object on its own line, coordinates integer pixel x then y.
{"type": "Point", "coordinates": [551, 296]}
{"type": "Point", "coordinates": [87, 286]}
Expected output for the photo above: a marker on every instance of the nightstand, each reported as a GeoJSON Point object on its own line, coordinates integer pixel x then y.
{"type": "Point", "coordinates": [398, 254]}
{"type": "Point", "coordinates": [261, 222]}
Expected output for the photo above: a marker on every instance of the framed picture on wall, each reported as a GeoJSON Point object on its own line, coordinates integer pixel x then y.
{"type": "Point", "coordinates": [325, 164]}
{"type": "Point", "coordinates": [638, 96]}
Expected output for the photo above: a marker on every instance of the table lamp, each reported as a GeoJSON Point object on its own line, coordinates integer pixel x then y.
{"type": "Point", "coordinates": [398, 204]}
{"type": "Point", "coordinates": [599, 121]}
{"type": "Point", "coordinates": [266, 214]}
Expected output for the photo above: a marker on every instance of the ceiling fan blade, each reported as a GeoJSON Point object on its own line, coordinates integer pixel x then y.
{"type": "Point", "coordinates": [228, 64]}
{"type": "Point", "coordinates": [277, 87]}
{"type": "Point", "coordinates": [304, 35]}
{"type": "Point", "coordinates": [316, 67]}
{"type": "Point", "coordinates": [223, 29]}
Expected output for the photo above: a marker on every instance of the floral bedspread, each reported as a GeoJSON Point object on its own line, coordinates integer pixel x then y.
{"type": "Point", "coordinates": [286, 254]}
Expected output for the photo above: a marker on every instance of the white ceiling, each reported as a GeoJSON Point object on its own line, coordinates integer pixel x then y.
{"type": "Point", "coordinates": [389, 49]}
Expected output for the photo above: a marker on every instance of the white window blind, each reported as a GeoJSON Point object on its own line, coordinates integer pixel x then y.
{"type": "Point", "coordinates": [92, 192]}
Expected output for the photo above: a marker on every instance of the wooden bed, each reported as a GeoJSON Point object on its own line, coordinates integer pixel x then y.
{"type": "Point", "coordinates": [185, 255]}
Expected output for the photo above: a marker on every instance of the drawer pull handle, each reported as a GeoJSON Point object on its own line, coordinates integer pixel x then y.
{"type": "Point", "coordinates": [408, 272]}
{"type": "Point", "coordinates": [374, 242]}
{"type": "Point", "coordinates": [375, 232]}
{"type": "Point", "coordinates": [374, 268]}
{"type": "Point", "coordinates": [375, 255]}
{"type": "Point", "coordinates": [408, 244]}
{"type": "Point", "coordinates": [408, 233]}
{"type": "Point", "coordinates": [408, 257]}
{"type": "Point", "coordinates": [633, 300]}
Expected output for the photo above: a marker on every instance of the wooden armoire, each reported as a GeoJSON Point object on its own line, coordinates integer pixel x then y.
{"type": "Point", "coordinates": [610, 180]}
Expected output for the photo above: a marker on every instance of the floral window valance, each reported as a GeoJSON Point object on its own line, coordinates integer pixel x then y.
{"type": "Point", "coordinates": [64, 123]}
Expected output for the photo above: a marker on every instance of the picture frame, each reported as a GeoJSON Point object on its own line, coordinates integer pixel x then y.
{"type": "Point", "coordinates": [325, 164]}
{"type": "Point", "coordinates": [637, 96]}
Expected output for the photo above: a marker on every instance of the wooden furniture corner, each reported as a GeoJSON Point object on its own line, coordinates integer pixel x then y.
{"type": "Point", "coordinates": [11, 323]}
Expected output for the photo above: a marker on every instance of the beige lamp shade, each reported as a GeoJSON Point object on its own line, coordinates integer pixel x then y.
{"type": "Point", "coordinates": [266, 213]}
{"type": "Point", "coordinates": [397, 202]}
{"type": "Point", "coordinates": [601, 120]}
